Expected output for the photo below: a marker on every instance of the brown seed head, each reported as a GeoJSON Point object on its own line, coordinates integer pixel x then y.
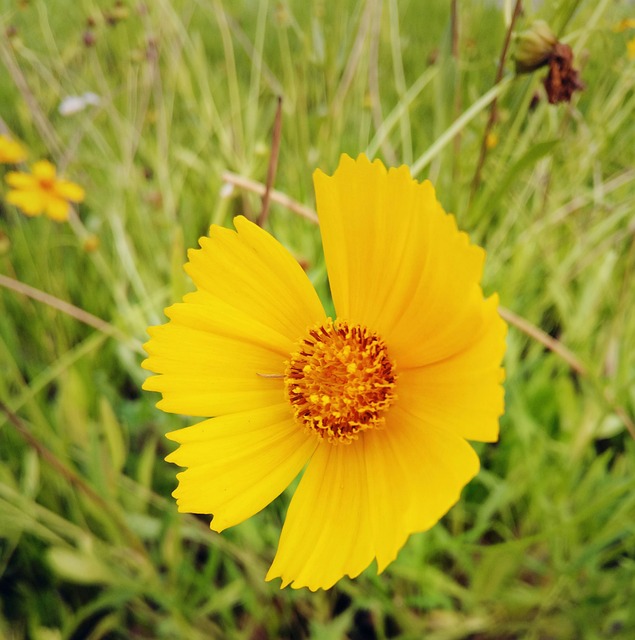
{"type": "Point", "coordinates": [563, 79]}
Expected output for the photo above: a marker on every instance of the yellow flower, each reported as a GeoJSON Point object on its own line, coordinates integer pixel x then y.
{"type": "Point", "coordinates": [491, 141]}
{"type": "Point", "coordinates": [630, 49]}
{"type": "Point", "coordinates": [11, 151]}
{"type": "Point", "coordinates": [42, 192]}
{"type": "Point", "coordinates": [377, 404]}
{"type": "Point", "coordinates": [624, 25]}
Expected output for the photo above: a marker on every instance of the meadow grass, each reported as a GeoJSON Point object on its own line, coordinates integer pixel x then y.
{"type": "Point", "coordinates": [542, 542]}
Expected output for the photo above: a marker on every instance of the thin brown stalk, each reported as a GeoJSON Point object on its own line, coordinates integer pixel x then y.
{"type": "Point", "coordinates": [63, 306]}
{"type": "Point", "coordinates": [493, 110]}
{"type": "Point", "coordinates": [276, 196]}
{"type": "Point", "coordinates": [622, 415]}
{"type": "Point", "coordinates": [273, 164]}
{"type": "Point", "coordinates": [544, 338]}
{"type": "Point", "coordinates": [568, 356]}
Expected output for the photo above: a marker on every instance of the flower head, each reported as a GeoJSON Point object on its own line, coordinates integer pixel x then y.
{"type": "Point", "coordinates": [377, 404]}
{"type": "Point", "coordinates": [563, 78]}
{"type": "Point", "coordinates": [11, 151]}
{"type": "Point", "coordinates": [42, 192]}
{"type": "Point", "coordinates": [537, 47]}
{"type": "Point", "coordinates": [534, 47]}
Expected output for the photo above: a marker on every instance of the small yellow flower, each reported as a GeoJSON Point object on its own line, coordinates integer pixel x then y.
{"type": "Point", "coordinates": [630, 49]}
{"type": "Point", "coordinates": [91, 243]}
{"type": "Point", "coordinates": [624, 25]}
{"type": "Point", "coordinates": [42, 192]}
{"type": "Point", "coordinates": [11, 151]}
{"type": "Point", "coordinates": [376, 405]}
{"type": "Point", "coordinates": [491, 140]}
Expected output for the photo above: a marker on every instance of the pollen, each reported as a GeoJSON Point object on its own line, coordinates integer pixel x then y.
{"type": "Point", "coordinates": [340, 381]}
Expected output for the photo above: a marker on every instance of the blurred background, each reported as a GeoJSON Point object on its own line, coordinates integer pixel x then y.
{"type": "Point", "coordinates": [163, 112]}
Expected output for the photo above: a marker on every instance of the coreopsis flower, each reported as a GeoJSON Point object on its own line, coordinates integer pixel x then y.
{"type": "Point", "coordinates": [11, 151]}
{"type": "Point", "coordinates": [376, 404]}
{"type": "Point", "coordinates": [41, 191]}
{"type": "Point", "coordinates": [630, 49]}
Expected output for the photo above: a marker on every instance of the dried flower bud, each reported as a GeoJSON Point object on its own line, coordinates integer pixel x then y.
{"type": "Point", "coordinates": [534, 47]}
{"type": "Point", "coordinates": [538, 47]}
{"type": "Point", "coordinates": [563, 79]}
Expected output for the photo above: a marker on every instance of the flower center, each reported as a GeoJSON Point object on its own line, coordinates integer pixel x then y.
{"type": "Point", "coordinates": [340, 381]}
{"type": "Point", "coordinates": [46, 184]}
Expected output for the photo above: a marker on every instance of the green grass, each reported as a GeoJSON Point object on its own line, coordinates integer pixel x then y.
{"type": "Point", "coordinates": [542, 543]}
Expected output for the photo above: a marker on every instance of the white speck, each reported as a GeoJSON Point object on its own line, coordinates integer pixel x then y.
{"type": "Point", "coordinates": [226, 190]}
{"type": "Point", "coordinates": [74, 104]}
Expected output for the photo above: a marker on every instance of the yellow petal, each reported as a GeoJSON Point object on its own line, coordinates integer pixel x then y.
{"type": "Point", "coordinates": [21, 180]}
{"type": "Point", "coordinates": [357, 225]}
{"type": "Point", "coordinates": [361, 501]}
{"type": "Point", "coordinates": [397, 262]}
{"type": "Point", "coordinates": [238, 464]}
{"type": "Point", "coordinates": [29, 202]}
{"type": "Point", "coordinates": [415, 474]}
{"type": "Point", "coordinates": [43, 170]}
{"type": "Point", "coordinates": [442, 308]}
{"type": "Point", "coordinates": [326, 533]}
{"type": "Point", "coordinates": [206, 374]}
{"type": "Point", "coordinates": [254, 273]}
{"type": "Point", "coordinates": [462, 393]}
{"type": "Point", "coordinates": [11, 151]}
{"type": "Point", "coordinates": [56, 208]}
{"type": "Point", "coordinates": [204, 311]}
{"type": "Point", "coordinates": [69, 191]}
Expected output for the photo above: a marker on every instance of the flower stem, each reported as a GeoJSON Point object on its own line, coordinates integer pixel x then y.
{"type": "Point", "coordinates": [493, 112]}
